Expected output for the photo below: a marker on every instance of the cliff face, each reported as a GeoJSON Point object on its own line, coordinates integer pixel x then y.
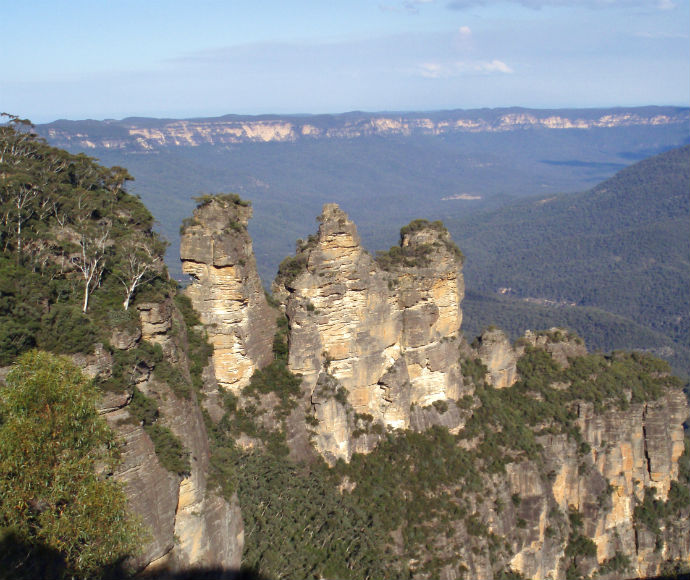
{"type": "Point", "coordinates": [604, 484]}
{"type": "Point", "coordinates": [189, 523]}
{"type": "Point", "coordinates": [226, 291]}
{"type": "Point", "coordinates": [388, 338]}
{"type": "Point", "coordinates": [154, 134]}
{"type": "Point", "coordinates": [567, 448]}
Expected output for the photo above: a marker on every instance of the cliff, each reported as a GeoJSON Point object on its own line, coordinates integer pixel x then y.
{"type": "Point", "coordinates": [191, 524]}
{"type": "Point", "coordinates": [153, 134]}
{"type": "Point", "coordinates": [216, 251]}
{"type": "Point", "coordinates": [388, 338]}
{"type": "Point", "coordinates": [533, 458]}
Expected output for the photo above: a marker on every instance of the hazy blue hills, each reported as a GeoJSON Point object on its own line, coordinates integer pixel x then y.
{"type": "Point", "coordinates": [612, 262]}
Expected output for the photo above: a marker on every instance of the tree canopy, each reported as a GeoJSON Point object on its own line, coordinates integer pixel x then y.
{"type": "Point", "coordinates": [56, 454]}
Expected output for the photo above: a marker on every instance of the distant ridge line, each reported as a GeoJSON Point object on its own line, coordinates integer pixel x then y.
{"type": "Point", "coordinates": [147, 134]}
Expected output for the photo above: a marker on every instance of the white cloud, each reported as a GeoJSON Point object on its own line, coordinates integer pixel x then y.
{"type": "Point", "coordinates": [437, 70]}
{"type": "Point", "coordinates": [465, 32]}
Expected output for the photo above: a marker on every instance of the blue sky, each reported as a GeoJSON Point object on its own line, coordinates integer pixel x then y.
{"type": "Point", "coordinates": [103, 59]}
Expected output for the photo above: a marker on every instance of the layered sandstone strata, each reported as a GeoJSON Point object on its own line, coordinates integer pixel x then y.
{"type": "Point", "coordinates": [216, 251]}
{"type": "Point", "coordinates": [389, 337]}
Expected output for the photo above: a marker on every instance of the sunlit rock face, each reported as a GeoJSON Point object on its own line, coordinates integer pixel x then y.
{"type": "Point", "coordinates": [388, 337]}
{"type": "Point", "coordinates": [216, 251]}
{"type": "Point", "coordinates": [499, 357]}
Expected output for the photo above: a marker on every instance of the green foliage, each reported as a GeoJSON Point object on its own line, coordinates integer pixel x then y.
{"type": "Point", "coordinates": [51, 443]}
{"type": "Point", "coordinates": [222, 198]}
{"type": "Point", "coordinates": [290, 268]}
{"type": "Point", "coordinates": [578, 547]}
{"type": "Point", "coordinates": [411, 479]}
{"type": "Point", "coordinates": [610, 262]}
{"type": "Point", "coordinates": [297, 524]}
{"type": "Point", "coordinates": [199, 350]}
{"type": "Point", "coordinates": [169, 449]}
{"type": "Point", "coordinates": [416, 254]}
{"type": "Point", "coordinates": [167, 372]}
{"type": "Point", "coordinates": [66, 329]}
{"type": "Point", "coordinates": [76, 246]}
{"type": "Point", "coordinates": [275, 378]}
{"type": "Point", "coordinates": [618, 564]}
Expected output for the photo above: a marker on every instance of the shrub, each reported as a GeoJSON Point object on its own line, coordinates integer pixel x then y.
{"type": "Point", "coordinates": [51, 442]}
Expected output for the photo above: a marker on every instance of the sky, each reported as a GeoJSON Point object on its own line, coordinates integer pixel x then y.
{"type": "Point", "coordinates": [110, 59]}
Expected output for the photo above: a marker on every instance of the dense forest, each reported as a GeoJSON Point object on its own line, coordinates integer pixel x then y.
{"type": "Point", "coordinates": [611, 262]}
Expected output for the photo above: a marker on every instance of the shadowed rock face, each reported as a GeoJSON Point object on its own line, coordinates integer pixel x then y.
{"type": "Point", "coordinates": [389, 338]}
{"type": "Point", "coordinates": [216, 251]}
{"type": "Point", "coordinates": [189, 525]}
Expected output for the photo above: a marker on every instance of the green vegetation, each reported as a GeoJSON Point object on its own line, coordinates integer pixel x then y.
{"type": "Point", "coordinates": [417, 255]}
{"type": "Point", "coordinates": [298, 525]}
{"type": "Point", "coordinates": [198, 348]}
{"type": "Point", "coordinates": [222, 198]}
{"type": "Point", "coordinates": [55, 453]}
{"type": "Point", "coordinates": [579, 547]}
{"type": "Point", "coordinates": [169, 449]}
{"type": "Point", "coordinates": [292, 266]}
{"type": "Point", "coordinates": [618, 252]}
{"type": "Point", "coordinates": [654, 513]}
{"type": "Point", "coordinates": [76, 247]}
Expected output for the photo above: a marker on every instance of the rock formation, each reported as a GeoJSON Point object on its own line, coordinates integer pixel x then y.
{"type": "Point", "coordinates": [216, 251]}
{"type": "Point", "coordinates": [388, 338]}
{"type": "Point", "coordinates": [377, 345]}
{"type": "Point", "coordinates": [190, 524]}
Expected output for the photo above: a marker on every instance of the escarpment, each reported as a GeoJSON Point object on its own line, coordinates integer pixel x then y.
{"type": "Point", "coordinates": [216, 251]}
{"type": "Point", "coordinates": [533, 458]}
{"type": "Point", "coordinates": [165, 451]}
{"type": "Point", "coordinates": [385, 331]}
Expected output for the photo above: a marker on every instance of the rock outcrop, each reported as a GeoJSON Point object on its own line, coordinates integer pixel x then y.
{"type": "Point", "coordinates": [377, 345]}
{"type": "Point", "coordinates": [216, 251]}
{"type": "Point", "coordinates": [389, 337]}
{"type": "Point", "coordinates": [189, 524]}
{"type": "Point", "coordinates": [499, 357]}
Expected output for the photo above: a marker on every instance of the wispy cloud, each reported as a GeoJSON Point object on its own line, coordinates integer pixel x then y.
{"type": "Point", "coordinates": [592, 4]}
{"type": "Point", "coordinates": [411, 6]}
{"type": "Point", "coordinates": [439, 70]}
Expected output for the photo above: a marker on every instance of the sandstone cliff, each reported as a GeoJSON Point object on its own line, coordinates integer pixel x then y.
{"type": "Point", "coordinates": [216, 251]}
{"type": "Point", "coordinates": [188, 523]}
{"type": "Point", "coordinates": [152, 134]}
{"type": "Point", "coordinates": [388, 338]}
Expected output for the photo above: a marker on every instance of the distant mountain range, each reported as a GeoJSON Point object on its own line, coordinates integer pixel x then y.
{"type": "Point", "coordinates": [147, 134]}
